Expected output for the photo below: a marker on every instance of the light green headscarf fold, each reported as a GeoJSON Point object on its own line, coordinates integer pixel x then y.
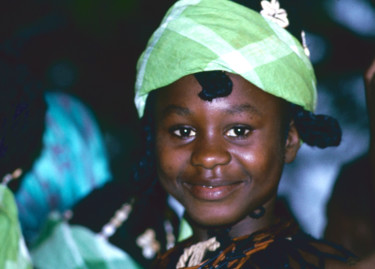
{"type": "Point", "coordinates": [206, 35]}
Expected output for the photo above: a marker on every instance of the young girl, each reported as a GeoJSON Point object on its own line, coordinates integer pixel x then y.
{"type": "Point", "coordinates": [226, 96]}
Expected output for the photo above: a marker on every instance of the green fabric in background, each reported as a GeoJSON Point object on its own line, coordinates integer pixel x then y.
{"type": "Point", "coordinates": [64, 246]}
{"type": "Point", "coordinates": [13, 252]}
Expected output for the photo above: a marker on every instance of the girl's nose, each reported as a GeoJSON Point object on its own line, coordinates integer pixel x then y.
{"type": "Point", "coordinates": [209, 153]}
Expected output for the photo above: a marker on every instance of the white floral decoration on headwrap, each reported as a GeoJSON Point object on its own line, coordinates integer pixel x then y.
{"type": "Point", "coordinates": [272, 11]}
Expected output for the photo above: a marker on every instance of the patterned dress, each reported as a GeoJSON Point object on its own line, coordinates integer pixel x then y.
{"type": "Point", "coordinates": [282, 245]}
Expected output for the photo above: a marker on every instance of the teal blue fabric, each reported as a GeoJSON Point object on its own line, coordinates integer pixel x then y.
{"type": "Point", "coordinates": [72, 163]}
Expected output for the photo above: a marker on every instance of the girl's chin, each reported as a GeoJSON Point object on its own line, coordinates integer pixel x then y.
{"type": "Point", "coordinates": [213, 221]}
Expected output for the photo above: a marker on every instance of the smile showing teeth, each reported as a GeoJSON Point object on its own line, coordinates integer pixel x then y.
{"type": "Point", "coordinates": [212, 192]}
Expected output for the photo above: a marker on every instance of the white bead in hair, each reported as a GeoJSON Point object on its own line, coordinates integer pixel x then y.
{"type": "Point", "coordinates": [116, 221]}
{"type": "Point", "coordinates": [304, 44]}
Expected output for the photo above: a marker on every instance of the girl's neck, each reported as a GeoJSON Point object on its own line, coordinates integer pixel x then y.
{"type": "Point", "coordinates": [246, 226]}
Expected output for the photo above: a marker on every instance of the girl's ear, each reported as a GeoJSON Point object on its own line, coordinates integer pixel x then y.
{"type": "Point", "coordinates": [292, 143]}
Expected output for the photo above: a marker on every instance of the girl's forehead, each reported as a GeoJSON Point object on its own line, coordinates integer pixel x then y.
{"type": "Point", "coordinates": [188, 86]}
{"type": "Point", "coordinates": [244, 96]}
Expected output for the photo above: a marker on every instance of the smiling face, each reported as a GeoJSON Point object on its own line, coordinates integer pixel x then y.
{"type": "Point", "coordinates": [221, 159]}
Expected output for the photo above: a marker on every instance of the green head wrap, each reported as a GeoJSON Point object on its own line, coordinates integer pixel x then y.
{"type": "Point", "coordinates": [207, 35]}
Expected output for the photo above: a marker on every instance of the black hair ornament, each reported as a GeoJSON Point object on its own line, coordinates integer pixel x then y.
{"type": "Point", "coordinates": [214, 84]}
{"type": "Point", "coordinates": [316, 130]}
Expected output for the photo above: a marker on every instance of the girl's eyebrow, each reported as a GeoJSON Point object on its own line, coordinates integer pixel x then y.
{"type": "Point", "coordinates": [235, 109]}
{"type": "Point", "coordinates": [179, 110]}
{"type": "Point", "coordinates": [243, 108]}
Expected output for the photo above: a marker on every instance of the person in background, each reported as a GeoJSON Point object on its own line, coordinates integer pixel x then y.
{"type": "Point", "coordinates": [51, 156]}
{"type": "Point", "coordinates": [351, 208]}
{"type": "Point", "coordinates": [73, 162]}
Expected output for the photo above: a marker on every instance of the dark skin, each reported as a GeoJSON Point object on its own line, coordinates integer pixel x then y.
{"type": "Point", "coordinates": [223, 159]}
{"type": "Point", "coordinates": [369, 79]}
{"type": "Point", "coordinates": [346, 228]}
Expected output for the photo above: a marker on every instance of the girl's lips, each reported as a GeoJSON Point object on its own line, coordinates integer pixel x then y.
{"type": "Point", "coordinates": [211, 193]}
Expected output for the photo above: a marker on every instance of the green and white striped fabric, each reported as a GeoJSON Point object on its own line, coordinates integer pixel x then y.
{"type": "Point", "coordinates": [13, 251]}
{"type": "Point", "coordinates": [206, 35]}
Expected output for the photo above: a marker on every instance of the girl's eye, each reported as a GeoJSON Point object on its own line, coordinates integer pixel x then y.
{"type": "Point", "coordinates": [238, 131]}
{"type": "Point", "coordinates": [184, 132]}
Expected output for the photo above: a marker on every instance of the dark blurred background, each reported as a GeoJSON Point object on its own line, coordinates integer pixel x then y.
{"type": "Point", "coordinates": [89, 49]}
